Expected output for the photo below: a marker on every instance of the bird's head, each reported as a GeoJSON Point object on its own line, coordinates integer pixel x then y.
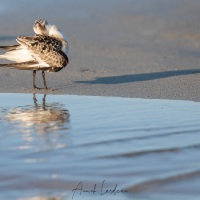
{"type": "Point", "coordinates": [41, 27]}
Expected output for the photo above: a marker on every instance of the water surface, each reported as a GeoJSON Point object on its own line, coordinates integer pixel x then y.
{"type": "Point", "coordinates": [131, 148]}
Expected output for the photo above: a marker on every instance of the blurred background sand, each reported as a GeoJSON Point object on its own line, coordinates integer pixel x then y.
{"type": "Point", "coordinates": [130, 48]}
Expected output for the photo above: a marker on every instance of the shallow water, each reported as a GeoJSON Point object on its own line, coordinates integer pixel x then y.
{"type": "Point", "coordinates": [141, 149]}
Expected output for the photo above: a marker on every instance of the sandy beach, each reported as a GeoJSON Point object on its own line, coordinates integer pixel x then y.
{"type": "Point", "coordinates": [145, 49]}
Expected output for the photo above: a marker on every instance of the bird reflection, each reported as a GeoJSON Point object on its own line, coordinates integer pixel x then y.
{"type": "Point", "coordinates": [41, 125]}
{"type": "Point", "coordinates": [40, 118]}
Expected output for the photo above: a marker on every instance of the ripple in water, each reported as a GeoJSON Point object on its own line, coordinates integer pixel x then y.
{"type": "Point", "coordinates": [64, 147]}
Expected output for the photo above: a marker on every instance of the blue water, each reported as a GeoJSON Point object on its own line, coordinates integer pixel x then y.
{"type": "Point", "coordinates": [146, 149]}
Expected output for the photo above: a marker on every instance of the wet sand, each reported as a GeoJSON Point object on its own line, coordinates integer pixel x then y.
{"type": "Point", "coordinates": [145, 49]}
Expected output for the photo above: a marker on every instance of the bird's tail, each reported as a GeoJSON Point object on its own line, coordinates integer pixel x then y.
{"type": "Point", "coordinates": [30, 65]}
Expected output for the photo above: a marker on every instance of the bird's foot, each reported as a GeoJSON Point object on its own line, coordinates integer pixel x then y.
{"type": "Point", "coordinates": [49, 89]}
{"type": "Point", "coordinates": [37, 88]}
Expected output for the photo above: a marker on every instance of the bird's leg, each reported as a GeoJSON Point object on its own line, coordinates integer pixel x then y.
{"type": "Point", "coordinates": [44, 102]}
{"type": "Point", "coordinates": [35, 101]}
{"type": "Point", "coordinates": [34, 85]}
{"type": "Point", "coordinates": [43, 76]}
{"type": "Point", "coordinates": [34, 74]}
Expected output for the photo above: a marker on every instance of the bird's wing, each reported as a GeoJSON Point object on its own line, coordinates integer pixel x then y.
{"type": "Point", "coordinates": [36, 53]}
{"type": "Point", "coordinates": [10, 48]}
{"type": "Point", "coordinates": [46, 50]}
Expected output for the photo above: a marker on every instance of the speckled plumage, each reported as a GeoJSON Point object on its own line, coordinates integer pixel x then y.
{"type": "Point", "coordinates": [48, 49]}
{"type": "Point", "coordinates": [45, 51]}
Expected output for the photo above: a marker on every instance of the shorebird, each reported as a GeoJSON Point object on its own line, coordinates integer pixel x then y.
{"type": "Point", "coordinates": [45, 51]}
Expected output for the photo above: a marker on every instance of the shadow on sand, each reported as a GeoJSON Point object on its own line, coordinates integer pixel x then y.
{"type": "Point", "coordinates": [139, 77]}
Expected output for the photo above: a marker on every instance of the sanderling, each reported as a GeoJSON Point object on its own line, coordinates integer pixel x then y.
{"type": "Point", "coordinates": [45, 51]}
